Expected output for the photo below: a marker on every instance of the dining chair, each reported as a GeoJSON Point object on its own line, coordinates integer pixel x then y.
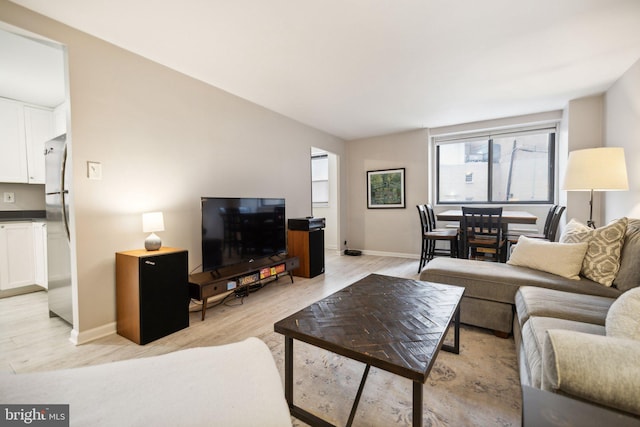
{"type": "Point", "coordinates": [553, 227]}
{"type": "Point", "coordinates": [513, 237]}
{"type": "Point", "coordinates": [482, 234]}
{"type": "Point", "coordinates": [550, 227]}
{"type": "Point", "coordinates": [431, 234]}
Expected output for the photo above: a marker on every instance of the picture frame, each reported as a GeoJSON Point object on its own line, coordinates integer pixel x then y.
{"type": "Point", "coordinates": [386, 189]}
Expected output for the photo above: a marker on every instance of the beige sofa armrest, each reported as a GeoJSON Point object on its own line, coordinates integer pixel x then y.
{"type": "Point", "coordinates": [597, 368]}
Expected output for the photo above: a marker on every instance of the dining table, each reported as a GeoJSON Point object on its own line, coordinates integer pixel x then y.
{"type": "Point", "coordinates": [508, 217]}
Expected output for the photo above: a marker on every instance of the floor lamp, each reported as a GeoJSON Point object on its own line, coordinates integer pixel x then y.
{"type": "Point", "coordinates": [596, 169]}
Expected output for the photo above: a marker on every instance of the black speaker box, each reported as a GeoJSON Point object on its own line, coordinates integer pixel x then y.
{"type": "Point", "coordinates": [316, 253]}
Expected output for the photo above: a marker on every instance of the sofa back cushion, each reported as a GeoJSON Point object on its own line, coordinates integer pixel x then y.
{"type": "Point", "coordinates": [629, 274]}
{"type": "Point", "coordinates": [602, 261]}
{"type": "Point", "coordinates": [623, 317]}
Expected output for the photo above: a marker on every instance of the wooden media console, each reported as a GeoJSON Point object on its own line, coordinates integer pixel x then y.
{"type": "Point", "coordinates": [236, 277]}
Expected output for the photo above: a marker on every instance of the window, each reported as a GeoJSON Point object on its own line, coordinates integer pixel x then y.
{"type": "Point", "coordinates": [508, 167]}
{"type": "Point", "coordinates": [320, 180]}
{"type": "Point", "coordinates": [468, 177]}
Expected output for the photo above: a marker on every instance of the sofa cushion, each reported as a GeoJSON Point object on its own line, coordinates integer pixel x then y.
{"type": "Point", "coordinates": [533, 301]}
{"type": "Point", "coordinates": [629, 273]}
{"type": "Point", "coordinates": [602, 260]}
{"type": "Point", "coordinates": [499, 282]}
{"type": "Point", "coordinates": [623, 319]}
{"type": "Point", "coordinates": [563, 259]}
{"type": "Point", "coordinates": [534, 335]}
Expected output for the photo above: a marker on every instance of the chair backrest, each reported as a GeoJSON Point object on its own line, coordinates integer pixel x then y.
{"type": "Point", "coordinates": [548, 220]}
{"type": "Point", "coordinates": [555, 221]}
{"type": "Point", "coordinates": [431, 217]}
{"type": "Point", "coordinates": [481, 224]}
{"type": "Point", "coordinates": [424, 221]}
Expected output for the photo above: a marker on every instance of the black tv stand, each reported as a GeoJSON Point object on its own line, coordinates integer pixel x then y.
{"type": "Point", "coordinates": [239, 277]}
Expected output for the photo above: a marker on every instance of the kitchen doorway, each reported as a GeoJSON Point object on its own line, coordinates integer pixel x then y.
{"type": "Point", "coordinates": [325, 193]}
{"type": "Point", "coordinates": [34, 85]}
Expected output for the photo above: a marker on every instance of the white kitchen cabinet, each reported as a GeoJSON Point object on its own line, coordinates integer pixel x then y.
{"type": "Point", "coordinates": [17, 255]}
{"type": "Point", "coordinates": [13, 148]}
{"type": "Point", "coordinates": [39, 128]}
{"type": "Point", "coordinates": [40, 253]}
{"type": "Point", "coordinates": [23, 131]}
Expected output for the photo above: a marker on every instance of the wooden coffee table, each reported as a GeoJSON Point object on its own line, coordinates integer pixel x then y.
{"type": "Point", "coordinates": [391, 323]}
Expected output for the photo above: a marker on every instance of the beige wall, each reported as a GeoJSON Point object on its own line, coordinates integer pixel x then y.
{"type": "Point", "coordinates": [387, 231]}
{"type": "Point", "coordinates": [585, 129]}
{"type": "Point", "coordinates": [622, 129]}
{"type": "Point", "coordinates": [164, 140]}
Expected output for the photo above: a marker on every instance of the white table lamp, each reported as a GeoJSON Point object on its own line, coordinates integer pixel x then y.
{"type": "Point", "coordinates": [152, 222]}
{"type": "Point", "coordinates": [596, 169]}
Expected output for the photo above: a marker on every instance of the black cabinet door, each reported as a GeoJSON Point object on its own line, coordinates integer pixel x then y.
{"type": "Point", "coordinates": [164, 295]}
{"type": "Point", "coordinates": [316, 253]}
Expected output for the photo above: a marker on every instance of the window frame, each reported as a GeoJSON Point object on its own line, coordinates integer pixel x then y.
{"type": "Point", "coordinates": [489, 136]}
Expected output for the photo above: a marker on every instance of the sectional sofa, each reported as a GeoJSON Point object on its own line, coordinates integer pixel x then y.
{"type": "Point", "coordinates": [573, 308]}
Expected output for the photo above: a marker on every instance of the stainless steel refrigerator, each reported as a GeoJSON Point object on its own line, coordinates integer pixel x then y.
{"type": "Point", "coordinates": [58, 236]}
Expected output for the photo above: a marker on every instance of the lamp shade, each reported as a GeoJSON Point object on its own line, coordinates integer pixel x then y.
{"type": "Point", "coordinates": [152, 221]}
{"type": "Point", "coordinates": [597, 169]}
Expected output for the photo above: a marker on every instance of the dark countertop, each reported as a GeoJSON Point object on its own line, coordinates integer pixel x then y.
{"type": "Point", "coordinates": [22, 215]}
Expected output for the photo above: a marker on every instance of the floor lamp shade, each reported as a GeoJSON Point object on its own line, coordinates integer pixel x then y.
{"type": "Point", "coordinates": [152, 222]}
{"type": "Point", "coordinates": [596, 169]}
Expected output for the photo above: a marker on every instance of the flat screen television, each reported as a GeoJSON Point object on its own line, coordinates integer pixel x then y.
{"type": "Point", "coordinates": [236, 230]}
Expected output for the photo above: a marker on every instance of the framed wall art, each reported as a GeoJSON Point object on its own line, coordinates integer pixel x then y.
{"type": "Point", "coordinates": [385, 189]}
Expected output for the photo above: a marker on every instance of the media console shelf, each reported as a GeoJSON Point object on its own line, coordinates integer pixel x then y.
{"type": "Point", "coordinates": [210, 283]}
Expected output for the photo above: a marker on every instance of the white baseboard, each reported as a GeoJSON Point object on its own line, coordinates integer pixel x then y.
{"type": "Point", "coordinates": [79, 338]}
{"type": "Point", "coordinates": [393, 254]}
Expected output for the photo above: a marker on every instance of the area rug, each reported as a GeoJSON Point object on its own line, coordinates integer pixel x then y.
{"type": "Point", "coordinates": [478, 387]}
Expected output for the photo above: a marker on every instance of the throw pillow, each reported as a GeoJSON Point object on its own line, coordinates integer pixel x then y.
{"type": "Point", "coordinates": [562, 259]}
{"type": "Point", "coordinates": [629, 274]}
{"type": "Point", "coordinates": [602, 261]}
{"type": "Point", "coordinates": [622, 318]}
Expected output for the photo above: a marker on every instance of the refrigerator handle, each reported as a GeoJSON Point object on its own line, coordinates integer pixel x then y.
{"type": "Point", "coordinates": [64, 192]}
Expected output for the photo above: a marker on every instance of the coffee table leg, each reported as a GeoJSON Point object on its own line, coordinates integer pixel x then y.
{"type": "Point", "coordinates": [288, 370]}
{"type": "Point", "coordinates": [455, 348]}
{"type": "Point", "coordinates": [358, 396]}
{"type": "Point", "coordinates": [417, 404]}
{"type": "Point", "coordinates": [297, 412]}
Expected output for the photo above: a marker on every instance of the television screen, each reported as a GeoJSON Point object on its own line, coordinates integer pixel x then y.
{"type": "Point", "coordinates": [238, 230]}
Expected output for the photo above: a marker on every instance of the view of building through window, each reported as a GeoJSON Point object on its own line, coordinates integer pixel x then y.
{"type": "Point", "coordinates": [515, 168]}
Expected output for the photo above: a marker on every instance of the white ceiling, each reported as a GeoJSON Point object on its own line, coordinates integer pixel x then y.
{"type": "Point", "coordinates": [357, 68]}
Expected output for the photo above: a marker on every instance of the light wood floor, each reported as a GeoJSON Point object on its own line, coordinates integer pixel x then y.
{"type": "Point", "coordinates": [31, 341]}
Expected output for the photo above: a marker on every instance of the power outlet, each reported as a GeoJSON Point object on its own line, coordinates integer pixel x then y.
{"type": "Point", "coordinates": [9, 197]}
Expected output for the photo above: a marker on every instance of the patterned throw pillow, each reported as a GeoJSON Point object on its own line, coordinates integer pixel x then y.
{"type": "Point", "coordinates": [602, 261]}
